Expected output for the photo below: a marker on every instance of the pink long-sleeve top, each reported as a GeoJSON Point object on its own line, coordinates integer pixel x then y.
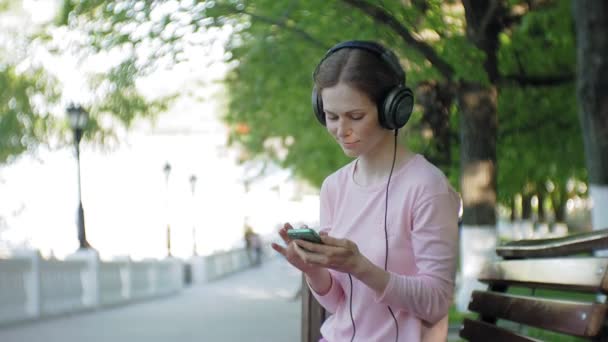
{"type": "Point", "coordinates": [423, 245]}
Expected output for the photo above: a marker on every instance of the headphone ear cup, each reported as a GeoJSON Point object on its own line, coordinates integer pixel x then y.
{"type": "Point", "coordinates": [317, 106]}
{"type": "Point", "coordinates": [397, 108]}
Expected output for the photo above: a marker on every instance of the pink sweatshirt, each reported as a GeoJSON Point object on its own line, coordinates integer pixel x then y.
{"type": "Point", "coordinates": [423, 246]}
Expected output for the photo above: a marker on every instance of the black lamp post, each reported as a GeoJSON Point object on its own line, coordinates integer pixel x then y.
{"type": "Point", "coordinates": [167, 171]}
{"type": "Point", "coordinates": [192, 187]}
{"type": "Point", "coordinates": [78, 118]}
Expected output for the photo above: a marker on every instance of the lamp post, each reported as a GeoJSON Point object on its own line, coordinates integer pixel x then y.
{"type": "Point", "coordinates": [192, 187]}
{"type": "Point", "coordinates": [78, 118]}
{"type": "Point", "coordinates": [167, 171]}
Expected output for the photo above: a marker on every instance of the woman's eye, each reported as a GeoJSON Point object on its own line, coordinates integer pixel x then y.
{"type": "Point", "coordinates": [331, 117]}
{"type": "Point", "coordinates": [357, 117]}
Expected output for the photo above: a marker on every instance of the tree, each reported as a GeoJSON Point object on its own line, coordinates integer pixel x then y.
{"type": "Point", "coordinates": [591, 89]}
{"type": "Point", "coordinates": [30, 101]}
{"type": "Point", "coordinates": [465, 55]}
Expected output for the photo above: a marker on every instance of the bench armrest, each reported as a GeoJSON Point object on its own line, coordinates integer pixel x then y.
{"type": "Point", "coordinates": [561, 246]}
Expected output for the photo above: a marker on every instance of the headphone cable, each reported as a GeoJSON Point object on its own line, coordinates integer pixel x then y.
{"type": "Point", "coordinates": [386, 229]}
{"type": "Point", "coordinates": [385, 251]}
{"type": "Point", "coordinates": [352, 319]}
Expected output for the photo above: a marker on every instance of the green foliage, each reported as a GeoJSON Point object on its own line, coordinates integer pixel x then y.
{"type": "Point", "coordinates": [466, 59]}
{"type": "Point", "coordinates": [539, 136]}
{"type": "Point", "coordinates": [23, 120]}
{"type": "Point", "coordinates": [271, 83]}
{"type": "Point", "coordinates": [121, 101]}
{"type": "Point", "coordinates": [275, 45]}
{"type": "Point", "coordinates": [29, 100]}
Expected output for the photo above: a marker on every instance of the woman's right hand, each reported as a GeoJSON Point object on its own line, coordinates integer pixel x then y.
{"type": "Point", "coordinates": [293, 253]}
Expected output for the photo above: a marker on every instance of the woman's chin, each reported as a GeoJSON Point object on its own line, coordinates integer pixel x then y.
{"type": "Point", "coordinates": [350, 153]}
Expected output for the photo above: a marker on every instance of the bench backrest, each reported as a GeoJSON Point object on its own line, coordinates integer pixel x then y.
{"type": "Point", "coordinates": [541, 266]}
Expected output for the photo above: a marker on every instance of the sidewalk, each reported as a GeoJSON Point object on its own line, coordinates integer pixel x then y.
{"type": "Point", "coordinates": [253, 305]}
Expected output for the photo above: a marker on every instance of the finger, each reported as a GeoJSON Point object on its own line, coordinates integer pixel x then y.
{"type": "Point", "coordinates": [278, 248]}
{"type": "Point", "coordinates": [300, 252]}
{"type": "Point", "coordinates": [309, 246]}
{"type": "Point", "coordinates": [332, 241]}
{"type": "Point", "coordinates": [315, 259]}
{"type": "Point", "coordinates": [284, 236]}
{"type": "Point", "coordinates": [283, 232]}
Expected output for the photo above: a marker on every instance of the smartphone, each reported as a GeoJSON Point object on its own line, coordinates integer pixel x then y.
{"type": "Point", "coordinates": [306, 234]}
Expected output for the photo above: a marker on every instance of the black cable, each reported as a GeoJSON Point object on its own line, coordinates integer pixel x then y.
{"type": "Point", "coordinates": [386, 229]}
{"type": "Point", "coordinates": [385, 250]}
{"type": "Point", "coordinates": [352, 319]}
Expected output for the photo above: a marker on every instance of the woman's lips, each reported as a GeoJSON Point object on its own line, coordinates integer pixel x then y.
{"type": "Point", "coordinates": [349, 144]}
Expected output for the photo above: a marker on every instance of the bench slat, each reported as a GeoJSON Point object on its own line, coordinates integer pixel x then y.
{"type": "Point", "coordinates": [576, 274]}
{"type": "Point", "coordinates": [568, 317]}
{"type": "Point", "coordinates": [562, 246]}
{"type": "Point", "coordinates": [480, 331]}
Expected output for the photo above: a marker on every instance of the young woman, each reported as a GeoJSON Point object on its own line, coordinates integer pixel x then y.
{"type": "Point", "coordinates": [388, 219]}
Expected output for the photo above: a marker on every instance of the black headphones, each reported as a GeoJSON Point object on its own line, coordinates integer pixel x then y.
{"type": "Point", "coordinates": [396, 108]}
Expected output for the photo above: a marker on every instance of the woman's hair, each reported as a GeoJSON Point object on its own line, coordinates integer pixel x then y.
{"type": "Point", "coordinates": [360, 69]}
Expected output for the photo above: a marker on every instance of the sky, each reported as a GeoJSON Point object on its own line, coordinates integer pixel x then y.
{"type": "Point", "coordinates": [126, 199]}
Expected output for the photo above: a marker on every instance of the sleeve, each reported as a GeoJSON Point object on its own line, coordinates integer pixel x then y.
{"type": "Point", "coordinates": [335, 295]}
{"type": "Point", "coordinates": [428, 294]}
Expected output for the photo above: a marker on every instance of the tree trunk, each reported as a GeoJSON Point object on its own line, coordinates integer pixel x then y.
{"type": "Point", "coordinates": [478, 128]}
{"type": "Point", "coordinates": [513, 214]}
{"type": "Point", "coordinates": [591, 24]}
{"type": "Point", "coordinates": [436, 99]}
{"type": "Point", "coordinates": [526, 207]}
{"type": "Point", "coordinates": [541, 207]}
{"type": "Point", "coordinates": [559, 198]}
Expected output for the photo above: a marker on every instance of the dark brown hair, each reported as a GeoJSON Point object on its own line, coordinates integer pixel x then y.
{"type": "Point", "coordinates": [360, 69]}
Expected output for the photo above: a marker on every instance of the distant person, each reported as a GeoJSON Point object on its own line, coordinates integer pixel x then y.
{"type": "Point", "coordinates": [247, 239]}
{"type": "Point", "coordinates": [256, 246]}
{"type": "Point", "coordinates": [253, 245]}
{"type": "Point", "coordinates": [388, 219]}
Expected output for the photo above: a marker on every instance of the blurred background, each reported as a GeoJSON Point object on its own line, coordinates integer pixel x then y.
{"type": "Point", "coordinates": [149, 133]}
{"type": "Point", "coordinates": [163, 131]}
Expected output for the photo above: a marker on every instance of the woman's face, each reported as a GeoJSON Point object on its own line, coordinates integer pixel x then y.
{"type": "Point", "coordinates": [352, 119]}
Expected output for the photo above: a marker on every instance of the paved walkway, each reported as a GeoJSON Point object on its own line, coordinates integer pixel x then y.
{"type": "Point", "coordinates": [253, 305]}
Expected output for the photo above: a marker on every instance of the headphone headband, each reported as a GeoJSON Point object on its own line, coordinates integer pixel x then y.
{"type": "Point", "coordinates": [386, 55]}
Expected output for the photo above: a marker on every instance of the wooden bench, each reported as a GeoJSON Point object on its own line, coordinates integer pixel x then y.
{"type": "Point", "coordinates": [313, 315]}
{"type": "Point", "coordinates": [546, 271]}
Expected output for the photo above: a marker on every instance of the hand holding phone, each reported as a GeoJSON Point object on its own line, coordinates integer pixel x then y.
{"type": "Point", "coordinates": [306, 234]}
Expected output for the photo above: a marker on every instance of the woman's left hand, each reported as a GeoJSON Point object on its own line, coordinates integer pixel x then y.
{"type": "Point", "coordinates": [338, 254]}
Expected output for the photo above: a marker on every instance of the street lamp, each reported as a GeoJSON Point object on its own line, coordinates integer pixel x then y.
{"type": "Point", "coordinates": [192, 187]}
{"type": "Point", "coordinates": [78, 118]}
{"type": "Point", "coordinates": [167, 171]}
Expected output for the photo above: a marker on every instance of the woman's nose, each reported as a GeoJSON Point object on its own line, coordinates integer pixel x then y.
{"type": "Point", "coordinates": [343, 128]}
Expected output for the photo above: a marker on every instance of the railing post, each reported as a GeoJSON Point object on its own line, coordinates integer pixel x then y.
{"type": "Point", "coordinates": [125, 277]}
{"type": "Point", "coordinates": [31, 282]}
{"type": "Point", "coordinates": [198, 271]}
{"type": "Point", "coordinates": [89, 277]}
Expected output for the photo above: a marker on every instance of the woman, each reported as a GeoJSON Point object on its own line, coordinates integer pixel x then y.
{"type": "Point", "coordinates": [388, 219]}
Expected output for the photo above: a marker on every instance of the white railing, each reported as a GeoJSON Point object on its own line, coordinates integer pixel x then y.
{"type": "Point", "coordinates": [32, 287]}
{"type": "Point", "coordinates": [114, 282]}
{"type": "Point", "coordinates": [221, 264]}
{"type": "Point", "coordinates": [62, 286]}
